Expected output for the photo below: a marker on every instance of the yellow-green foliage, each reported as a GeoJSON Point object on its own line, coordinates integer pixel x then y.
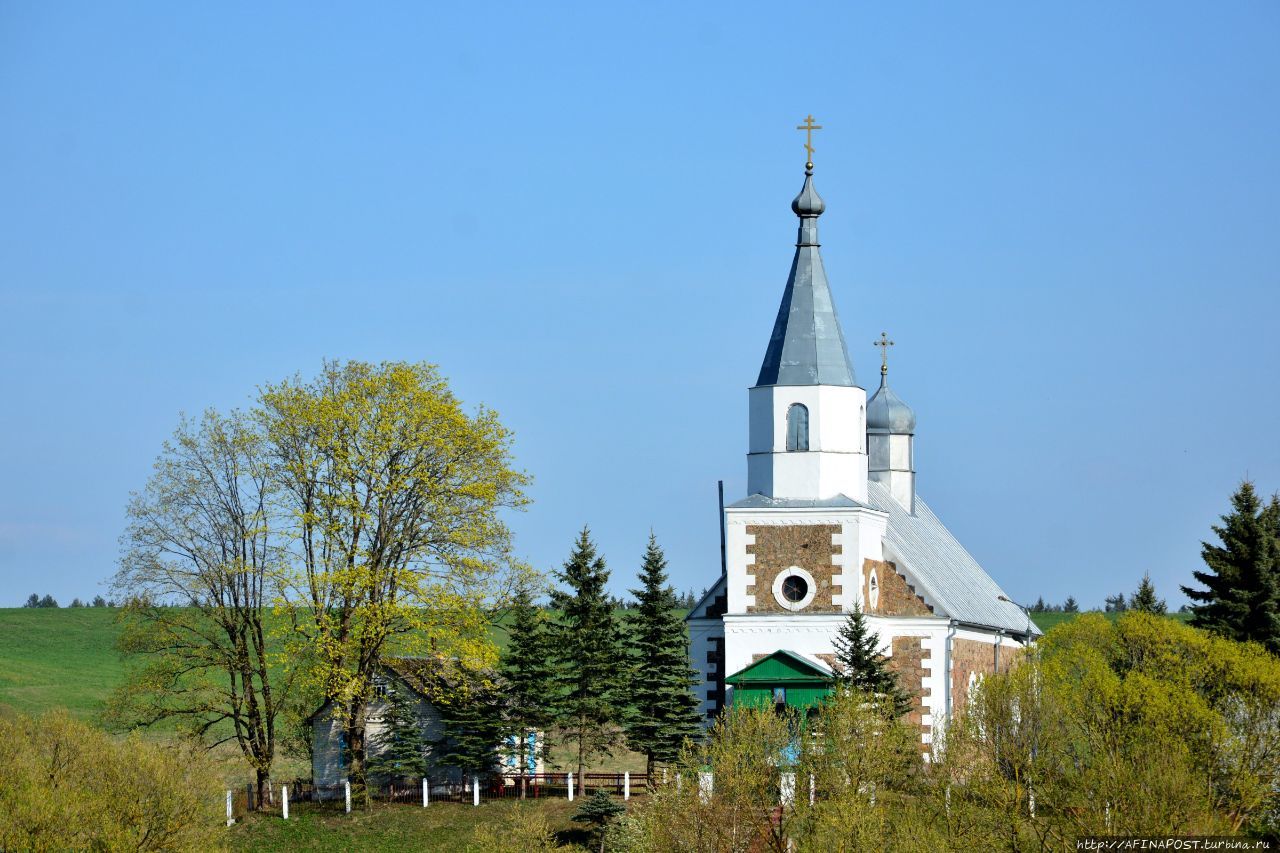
{"type": "Point", "coordinates": [68, 786]}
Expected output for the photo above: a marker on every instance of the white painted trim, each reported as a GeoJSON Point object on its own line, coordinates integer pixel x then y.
{"type": "Point", "coordinates": [794, 572]}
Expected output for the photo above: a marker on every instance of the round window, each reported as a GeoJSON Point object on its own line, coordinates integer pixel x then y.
{"type": "Point", "coordinates": [794, 588]}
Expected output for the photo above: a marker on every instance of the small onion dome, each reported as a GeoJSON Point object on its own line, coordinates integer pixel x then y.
{"type": "Point", "coordinates": [808, 203]}
{"type": "Point", "coordinates": [886, 413]}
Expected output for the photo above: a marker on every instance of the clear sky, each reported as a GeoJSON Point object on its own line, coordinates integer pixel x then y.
{"type": "Point", "coordinates": [1068, 218]}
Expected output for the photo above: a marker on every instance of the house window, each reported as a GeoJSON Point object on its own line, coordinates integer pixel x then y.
{"type": "Point", "coordinates": [797, 427]}
{"type": "Point", "coordinates": [873, 591]}
{"type": "Point", "coordinates": [794, 588]}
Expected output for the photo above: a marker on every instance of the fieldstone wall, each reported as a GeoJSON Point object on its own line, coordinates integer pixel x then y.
{"type": "Point", "coordinates": [968, 657]}
{"type": "Point", "coordinates": [779, 547]}
{"type": "Point", "coordinates": [907, 662]}
{"type": "Point", "coordinates": [897, 597]}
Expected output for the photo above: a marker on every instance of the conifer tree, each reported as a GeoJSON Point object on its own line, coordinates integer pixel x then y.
{"type": "Point", "coordinates": [598, 810]}
{"type": "Point", "coordinates": [400, 749]}
{"type": "Point", "coordinates": [529, 671]}
{"type": "Point", "coordinates": [864, 668]}
{"type": "Point", "coordinates": [589, 655]}
{"type": "Point", "coordinates": [1241, 598]}
{"type": "Point", "coordinates": [473, 715]}
{"type": "Point", "coordinates": [664, 708]}
{"type": "Point", "coordinates": [1070, 605]}
{"type": "Point", "coordinates": [1144, 600]}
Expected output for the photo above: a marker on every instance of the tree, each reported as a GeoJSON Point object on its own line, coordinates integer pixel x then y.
{"type": "Point", "coordinates": [1039, 606]}
{"type": "Point", "coordinates": [862, 666]}
{"type": "Point", "coordinates": [597, 810]}
{"type": "Point", "coordinates": [1070, 606]}
{"type": "Point", "coordinates": [396, 494]}
{"type": "Point", "coordinates": [200, 536]}
{"type": "Point", "coordinates": [76, 602]}
{"type": "Point", "coordinates": [48, 601]}
{"type": "Point", "coordinates": [400, 749]}
{"type": "Point", "coordinates": [33, 600]}
{"type": "Point", "coordinates": [1241, 598]}
{"type": "Point", "coordinates": [529, 671]}
{"type": "Point", "coordinates": [1115, 603]}
{"type": "Point", "coordinates": [99, 601]}
{"type": "Point", "coordinates": [473, 712]}
{"type": "Point", "coordinates": [592, 665]}
{"type": "Point", "coordinates": [665, 710]}
{"type": "Point", "coordinates": [1144, 600]}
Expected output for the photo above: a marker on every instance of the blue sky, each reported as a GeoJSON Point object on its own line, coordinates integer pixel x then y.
{"type": "Point", "coordinates": [1066, 217]}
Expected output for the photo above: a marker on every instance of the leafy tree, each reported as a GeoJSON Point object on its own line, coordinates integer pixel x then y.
{"type": "Point", "coordinates": [592, 663]}
{"type": "Point", "coordinates": [76, 602]}
{"type": "Point", "coordinates": [99, 601]}
{"type": "Point", "coordinates": [1144, 600]}
{"type": "Point", "coordinates": [665, 710]}
{"type": "Point", "coordinates": [396, 493]}
{"type": "Point", "coordinates": [862, 666]}
{"type": "Point", "coordinates": [399, 750]}
{"type": "Point", "coordinates": [1070, 606]}
{"type": "Point", "coordinates": [529, 671]}
{"type": "Point", "coordinates": [48, 601]}
{"type": "Point", "coordinates": [200, 536]}
{"type": "Point", "coordinates": [597, 810]}
{"type": "Point", "coordinates": [1241, 598]}
{"type": "Point", "coordinates": [32, 601]}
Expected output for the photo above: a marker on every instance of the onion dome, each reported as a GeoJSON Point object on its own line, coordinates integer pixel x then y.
{"type": "Point", "coordinates": [886, 413]}
{"type": "Point", "coordinates": [808, 203]}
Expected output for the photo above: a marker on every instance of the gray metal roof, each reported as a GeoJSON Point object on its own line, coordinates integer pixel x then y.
{"type": "Point", "coordinates": [942, 569]}
{"type": "Point", "coordinates": [886, 412]}
{"type": "Point", "coordinates": [759, 501]}
{"type": "Point", "coordinates": [807, 346]}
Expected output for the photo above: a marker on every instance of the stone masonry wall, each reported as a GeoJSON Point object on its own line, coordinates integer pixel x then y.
{"type": "Point", "coordinates": [897, 597]}
{"type": "Point", "coordinates": [779, 547]}
{"type": "Point", "coordinates": [907, 662]}
{"type": "Point", "coordinates": [967, 657]}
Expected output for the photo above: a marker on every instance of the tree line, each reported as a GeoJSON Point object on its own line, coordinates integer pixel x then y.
{"type": "Point", "coordinates": [37, 600]}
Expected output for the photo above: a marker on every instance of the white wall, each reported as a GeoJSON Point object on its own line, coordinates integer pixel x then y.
{"type": "Point", "coordinates": [836, 462]}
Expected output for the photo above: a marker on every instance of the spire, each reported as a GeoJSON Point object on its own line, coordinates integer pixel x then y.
{"type": "Point", "coordinates": [807, 346]}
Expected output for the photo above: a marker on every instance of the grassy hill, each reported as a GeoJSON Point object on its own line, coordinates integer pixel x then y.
{"type": "Point", "coordinates": [66, 657]}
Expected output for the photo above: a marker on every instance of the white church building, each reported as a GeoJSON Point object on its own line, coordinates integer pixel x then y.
{"type": "Point", "coordinates": [832, 519]}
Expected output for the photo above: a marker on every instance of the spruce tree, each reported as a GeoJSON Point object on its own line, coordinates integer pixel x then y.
{"type": "Point", "coordinates": [1144, 600]}
{"type": "Point", "coordinates": [530, 674]}
{"type": "Point", "coordinates": [1241, 598]}
{"type": "Point", "coordinates": [864, 668]}
{"type": "Point", "coordinates": [664, 707]}
{"type": "Point", "coordinates": [1070, 606]}
{"type": "Point", "coordinates": [598, 810]}
{"type": "Point", "coordinates": [473, 716]}
{"type": "Point", "coordinates": [589, 655]}
{"type": "Point", "coordinates": [400, 749]}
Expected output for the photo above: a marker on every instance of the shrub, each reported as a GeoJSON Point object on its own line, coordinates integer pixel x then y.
{"type": "Point", "coordinates": [69, 786]}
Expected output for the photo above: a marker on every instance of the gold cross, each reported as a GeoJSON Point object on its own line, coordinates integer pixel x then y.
{"type": "Point", "coordinates": [884, 343]}
{"type": "Point", "coordinates": [809, 127]}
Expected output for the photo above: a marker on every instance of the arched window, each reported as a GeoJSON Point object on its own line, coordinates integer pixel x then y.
{"type": "Point", "coordinates": [873, 591]}
{"type": "Point", "coordinates": [797, 427]}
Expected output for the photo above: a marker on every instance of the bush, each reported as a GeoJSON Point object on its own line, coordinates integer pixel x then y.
{"type": "Point", "coordinates": [69, 786]}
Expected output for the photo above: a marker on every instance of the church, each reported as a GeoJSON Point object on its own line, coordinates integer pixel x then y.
{"type": "Point", "coordinates": [832, 520]}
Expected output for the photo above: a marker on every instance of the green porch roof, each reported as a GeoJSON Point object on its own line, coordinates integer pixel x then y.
{"type": "Point", "coordinates": [781, 668]}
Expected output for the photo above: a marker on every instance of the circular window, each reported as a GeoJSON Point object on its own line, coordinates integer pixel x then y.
{"type": "Point", "coordinates": [794, 588]}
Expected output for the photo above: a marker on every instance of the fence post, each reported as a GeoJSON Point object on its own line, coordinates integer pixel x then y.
{"type": "Point", "coordinates": [679, 781]}
{"type": "Point", "coordinates": [705, 785]}
{"type": "Point", "coordinates": [475, 790]}
{"type": "Point", "coordinates": [787, 789]}
{"type": "Point", "coordinates": [626, 785]}
{"type": "Point", "coordinates": [571, 787]}
{"type": "Point", "coordinates": [230, 819]}
{"type": "Point", "coordinates": [346, 794]}
{"type": "Point", "coordinates": [426, 793]}
{"type": "Point", "coordinates": [873, 793]}
{"type": "Point", "coordinates": [812, 787]}
{"type": "Point", "coordinates": [248, 797]}
{"type": "Point", "coordinates": [284, 800]}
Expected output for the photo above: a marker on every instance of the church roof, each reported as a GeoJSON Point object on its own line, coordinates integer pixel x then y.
{"type": "Point", "coordinates": [942, 569]}
{"type": "Point", "coordinates": [759, 501]}
{"type": "Point", "coordinates": [887, 413]}
{"type": "Point", "coordinates": [781, 667]}
{"type": "Point", "coordinates": [807, 346]}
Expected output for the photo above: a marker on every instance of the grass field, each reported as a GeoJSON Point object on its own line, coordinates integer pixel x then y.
{"type": "Point", "coordinates": [394, 827]}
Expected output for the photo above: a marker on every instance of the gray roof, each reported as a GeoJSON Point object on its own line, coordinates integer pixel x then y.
{"type": "Point", "coordinates": [887, 413]}
{"type": "Point", "coordinates": [942, 569]}
{"type": "Point", "coordinates": [807, 346]}
{"type": "Point", "coordinates": [759, 501]}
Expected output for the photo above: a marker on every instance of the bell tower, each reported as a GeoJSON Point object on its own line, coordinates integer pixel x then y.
{"type": "Point", "coordinates": [807, 412]}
